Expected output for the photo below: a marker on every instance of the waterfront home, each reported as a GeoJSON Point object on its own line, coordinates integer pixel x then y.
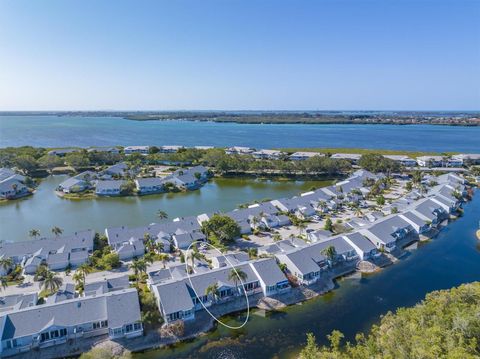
{"type": "Point", "coordinates": [274, 221]}
{"type": "Point", "coordinates": [365, 249]}
{"type": "Point", "coordinates": [12, 185]}
{"type": "Point", "coordinates": [272, 280]}
{"type": "Point", "coordinates": [62, 152]}
{"type": "Point", "coordinates": [418, 222]}
{"type": "Point", "coordinates": [301, 156]}
{"type": "Point", "coordinates": [385, 233]}
{"type": "Point", "coordinates": [403, 160]}
{"type": "Point", "coordinates": [351, 157]}
{"type": "Point", "coordinates": [299, 206]}
{"type": "Point", "coordinates": [249, 217]}
{"type": "Point", "coordinates": [12, 188]}
{"type": "Point", "coordinates": [301, 265]}
{"type": "Point", "coordinates": [130, 249]}
{"type": "Point", "coordinates": [467, 158]}
{"type": "Point", "coordinates": [430, 161]}
{"type": "Point", "coordinates": [112, 150]}
{"type": "Point", "coordinates": [115, 314]}
{"type": "Point", "coordinates": [109, 187]}
{"type": "Point", "coordinates": [149, 185]}
{"type": "Point", "coordinates": [116, 170]}
{"type": "Point", "coordinates": [190, 178]}
{"type": "Point", "coordinates": [124, 237]}
{"type": "Point", "coordinates": [170, 149]}
{"type": "Point", "coordinates": [344, 252]}
{"type": "Point", "coordinates": [17, 301]}
{"type": "Point", "coordinates": [174, 301]}
{"type": "Point", "coordinates": [204, 147]}
{"type": "Point", "coordinates": [438, 161]}
{"type": "Point", "coordinates": [231, 259]}
{"type": "Point", "coordinates": [106, 285]}
{"type": "Point", "coordinates": [452, 179]}
{"type": "Point", "coordinates": [77, 183]}
{"type": "Point", "coordinates": [268, 154]}
{"type": "Point", "coordinates": [58, 252]}
{"type": "Point", "coordinates": [431, 211]}
{"type": "Point", "coordinates": [238, 150]}
{"type": "Point", "coordinates": [177, 300]}
{"type": "Point", "coordinates": [136, 149]}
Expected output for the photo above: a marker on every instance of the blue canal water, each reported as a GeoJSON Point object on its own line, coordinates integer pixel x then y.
{"type": "Point", "coordinates": [54, 131]}
{"type": "Point", "coordinates": [449, 260]}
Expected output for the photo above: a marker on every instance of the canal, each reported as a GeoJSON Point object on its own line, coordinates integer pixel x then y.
{"type": "Point", "coordinates": [452, 258]}
{"type": "Point", "coordinates": [44, 209]}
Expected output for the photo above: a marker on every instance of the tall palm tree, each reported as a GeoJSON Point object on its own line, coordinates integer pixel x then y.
{"type": "Point", "coordinates": [3, 282]}
{"type": "Point", "coordinates": [6, 263]}
{"type": "Point", "coordinates": [213, 290]}
{"type": "Point", "coordinates": [40, 272]}
{"type": "Point", "coordinates": [301, 226]}
{"type": "Point", "coordinates": [358, 212]}
{"type": "Point", "coordinates": [84, 270]}
{"type": "Point", "coordinates": [164, 258]}
{"type": "Point", "coordinates": [51, 282]}
{"type": "Point", "coordinates": [159, 247]}
{"type": "Point", "coordinates": [235, 275]}
{"type": "Point", "coordinates": [329, 252]}
{"type": "Point", "coordinates": [57, 231]}
{"type": "Point", "coordinates": [139, 266]}
{"type": "Point", "coordinates": [194, 254]}
{"type": "Point", "coordinates": [34, 233]}
{"type": "Point", "coordinates": [79, 281]}
{"type": "Point", "coordinates": [162, 214]}
{"type": "Point", "coordinates": [149, 243]}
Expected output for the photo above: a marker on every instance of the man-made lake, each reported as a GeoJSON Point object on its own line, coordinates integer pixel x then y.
{"type": "Point", "coordinates": [53, 131]}
{"type": "Point", "coordinates": [449, 260]}
{"type": "Point", "coordinates": [45, 209]}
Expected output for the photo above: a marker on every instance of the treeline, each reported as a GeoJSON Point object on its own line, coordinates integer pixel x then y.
{"type": "Point", "coordinates": [445, 325]}
{"type": "Point", "coordinates": [29, 159]}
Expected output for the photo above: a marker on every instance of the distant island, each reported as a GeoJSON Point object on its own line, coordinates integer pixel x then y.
{"type": "Point", "coordinates": [451, 118]}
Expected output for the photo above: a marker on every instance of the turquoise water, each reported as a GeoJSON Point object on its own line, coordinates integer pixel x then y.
{"type": "Point", "coordinates": [44, 209]}
{"type": "Point", "coordinates": [449, 260]}
{"type": "Point", "coordinates": [53, 131]}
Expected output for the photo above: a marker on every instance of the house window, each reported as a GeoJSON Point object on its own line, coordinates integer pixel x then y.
{"type": "Point", "coordinates": [104, 323]}
{"type": "Point", "coordinates": [137, 326]}
{"type": "Point", "coordinates": [63, 332]}
{"type": "Point", "coordinates": [128, 328]}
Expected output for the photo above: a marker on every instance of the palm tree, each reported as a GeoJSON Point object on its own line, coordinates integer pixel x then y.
{"type": "Point", "coordinates": [301, 226]}
{"type": "Point", "coordinates": [254, 221]}
{"type": "Point", "coordinates": [57, 231]}
{"type": "Point", "coordinates": [237, 275]}
{"type": "Point", "coordinates": [329, 252]}
{"type": "Point", "coordinates": [194, 254]}
{"type": "Point", "coordinates": [358, 212]}
{"type": "Point", "coordinates": [34, 233]}
{"type": "Point", "coordinates": [3, 282]}
{"type": "Point", "coordinates": [79, 281]}
{"type": "Point", "coordinates": [323, 206]}
{"type": "Point", "coordinates": [51, 282]}
{"type": "Point", "coordinates": [149, 243]}
{"type": "Point", "coordinates": [164, 258]}
{"type": "Point", "coordinates": [162, 214]}
{"type": "Point", "coordinates": [277, 237]}
{"type": "Point", "coordinates": [213, 290]}
{"type": "Point", "coordinates": [84, 270]}
{"type": "Point", "coordinates": [159, 247]}
{"type": "Point", "coordinates": [6, 263]}
{"type": "Point", "coordinates": [41, 272]}
{"type": "Point", "coordinates": [139, 266]}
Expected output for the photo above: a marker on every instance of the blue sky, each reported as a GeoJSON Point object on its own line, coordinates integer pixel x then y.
{"type": "Point", "coordinates": [240, 54]}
